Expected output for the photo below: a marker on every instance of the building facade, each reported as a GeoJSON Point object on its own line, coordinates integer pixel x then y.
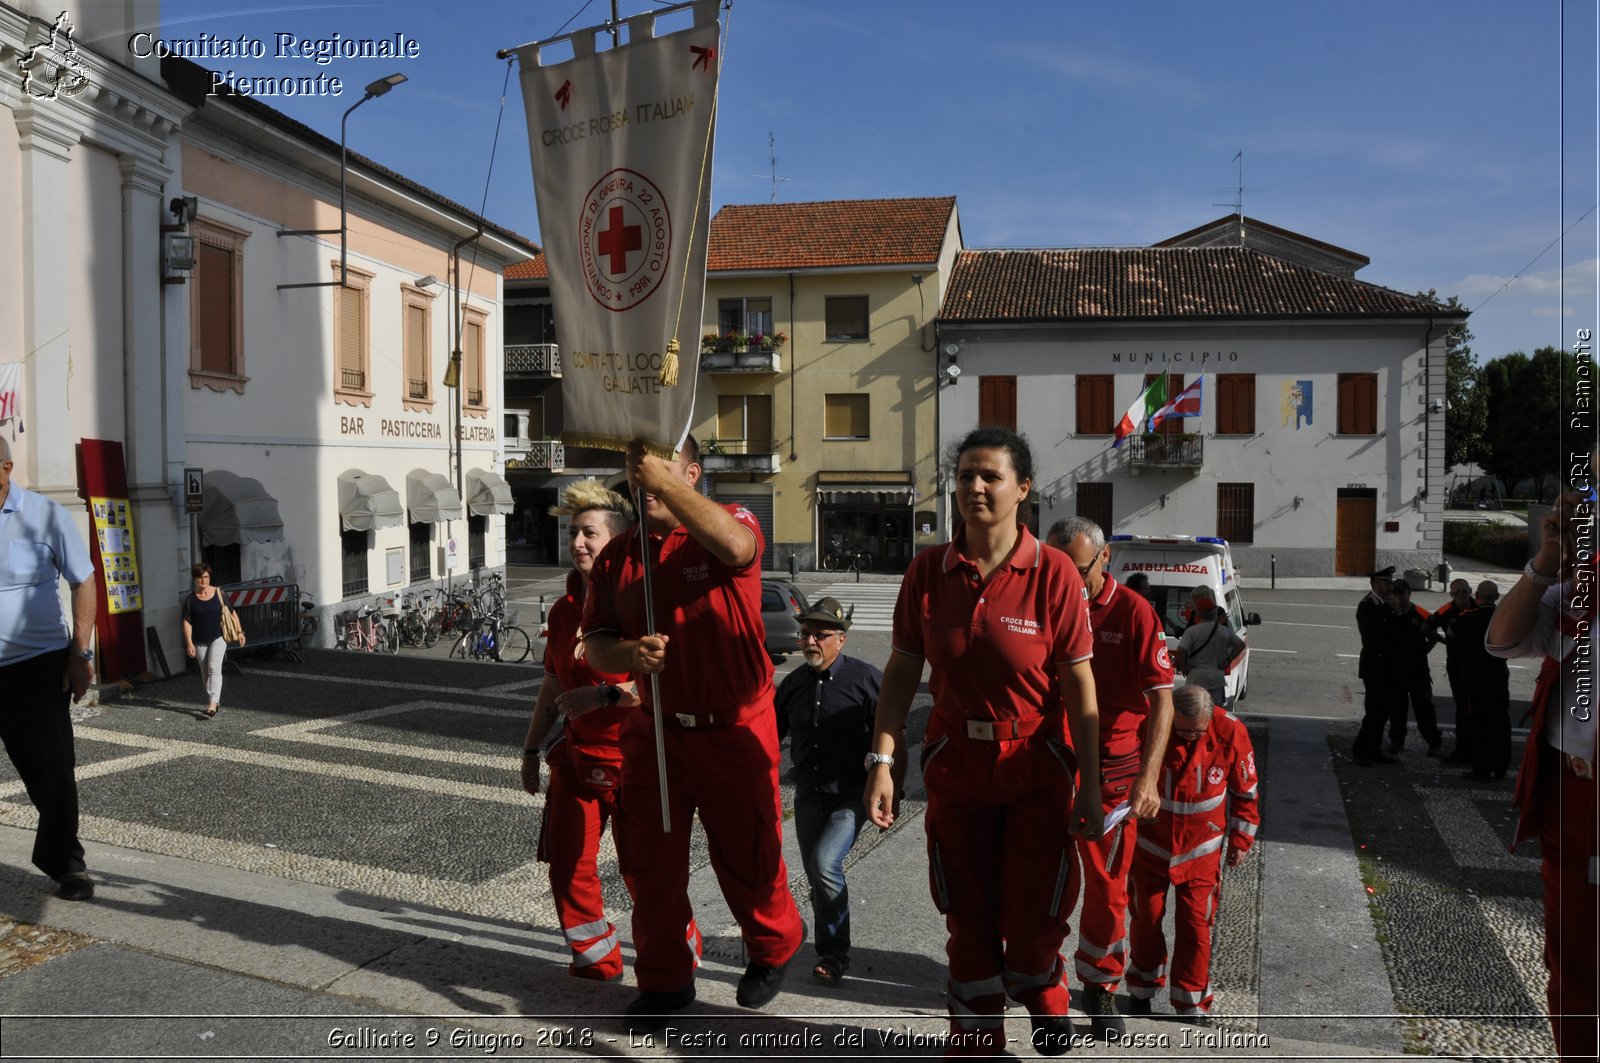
{"type": "Point", "coordinates": [1319, 446]}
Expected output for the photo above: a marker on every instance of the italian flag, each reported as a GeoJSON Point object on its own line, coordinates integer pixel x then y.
{"type": "Point", "coordinates": [1151, 399]}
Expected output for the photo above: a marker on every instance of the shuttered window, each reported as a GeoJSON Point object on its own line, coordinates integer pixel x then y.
{"type": "Point", "coordinates": [846, 416]}
{"type": "Point", "coordinates": [1358, 404]}
{"type": "Point", "coordinates": [1095, 410]}
{"type": "Point", "coordinates": [419, 384]}
{"type": "Point", "coordinates": [352, 339]}
{"type": "Point", "coordinates": [472, 357]}
{"type": "Point", "coordinates": [997, 401]}
{"type": "Point", "coordinates": [216, 340]}
{"type": "Point", "coordinates": [1236, 404]}
{"type": "Point", "coordinates": [1236, 512]}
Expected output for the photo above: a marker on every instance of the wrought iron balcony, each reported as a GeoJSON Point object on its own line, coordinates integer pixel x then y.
{"type": "Point", "coordinates": [738, 455]}
{"type": "Point", "coordinates": [748, 359]}
{"type": "Point", "coordinates": [1158, 451]}
{"type": "Point", "coordinates": [548, 454]}
{"type": "Point", "coordinates": [354, 379]}
{"type": "Point", "coordinates": [416, 389]}
{"type": "Point", "coordinates": [533, 360]}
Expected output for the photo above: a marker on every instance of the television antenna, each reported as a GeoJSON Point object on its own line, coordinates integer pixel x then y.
{"type": "Point", "coordinates": [772, 152]}
{"type": "Point", "coordinates": [1240, 190]}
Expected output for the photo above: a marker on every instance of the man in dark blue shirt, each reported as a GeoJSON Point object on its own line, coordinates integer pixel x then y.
{"type": "Point", "coordinates": [827, 709]}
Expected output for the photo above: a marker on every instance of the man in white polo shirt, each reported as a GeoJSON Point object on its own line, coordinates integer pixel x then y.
{"type": "Point", "coordinates": [42, 660]}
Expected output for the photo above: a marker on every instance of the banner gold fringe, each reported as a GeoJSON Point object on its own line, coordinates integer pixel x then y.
{"type": "Point", "coordinates": [619, 443]}
{"type": "Point", "coordinates": [669, 365]}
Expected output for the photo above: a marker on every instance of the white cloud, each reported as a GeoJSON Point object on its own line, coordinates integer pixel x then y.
{"type": "Point", "coordinates": [1577, 281]}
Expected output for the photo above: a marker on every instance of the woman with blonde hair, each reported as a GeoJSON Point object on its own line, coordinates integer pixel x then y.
{"type": "Point", "coordinates": [586, 760]}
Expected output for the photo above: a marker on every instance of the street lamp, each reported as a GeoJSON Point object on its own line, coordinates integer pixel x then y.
{"type": "Point", "coordinates": [377, 88]}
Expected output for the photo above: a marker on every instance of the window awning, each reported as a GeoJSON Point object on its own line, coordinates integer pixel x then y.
{"type": "Point", "coordinates": [431, 497]}
{"type": "Point", "coordinates": [237, 509]}
{"type": "Point", "coordinates": [367, 502]}
{"type": "Point", "coordinates": [867, 494]}
{"type": "Point", "coordinates": [488, 494]}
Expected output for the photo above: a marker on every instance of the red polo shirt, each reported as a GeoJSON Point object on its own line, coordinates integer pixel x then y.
{"type": "Point", "coordinates": [717, 660]}
{"type": "Point", "coordinates": [602, 727]}
{"type": "Point", "coordinates": [1130, 659]}
{"type": "Point", "coordinates": [995, 646]}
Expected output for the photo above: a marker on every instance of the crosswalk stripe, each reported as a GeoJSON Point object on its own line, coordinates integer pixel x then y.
{"type": "Point", "coordinates": [874, 603]}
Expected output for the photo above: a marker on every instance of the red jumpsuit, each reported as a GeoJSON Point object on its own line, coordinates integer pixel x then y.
{"type": "Point", "coordinates": [1130, 660]}
{"type": "Point", "coordinates": [721, 738]}
{"type": "Point", "coordinates": [999, 767]}
{"type": "Point", "coordinates": [585, 773]}
{"type": "Point", "coordinates": [1183, 849]}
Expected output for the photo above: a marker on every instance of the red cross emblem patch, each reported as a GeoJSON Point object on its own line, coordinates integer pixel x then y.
{"type": "Point", "coordinates": [625, 237]}
{"type": "Point", "coordinates": [1215, 776]}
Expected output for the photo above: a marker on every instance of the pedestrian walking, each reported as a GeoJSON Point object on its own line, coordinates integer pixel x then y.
{"type": "Point", "coordinates": [1550, 614]}
{"type": "Point", "coordinates": [719, 735]}
{"type": "Point", "coordinates": [203, 612]}
{"type": "Point", "coordinates": [586, 760]}
{"type": "Point", "coordinates": [45, 665]}
{"type": "Point", "coordinates": [825, 709]}
{"type": "Point", "coordinates": [1003, 623]}
{"type": "Point", "coordinates": [1208, 803]}
{"type": "Point", "coordinates": [1133, 688]}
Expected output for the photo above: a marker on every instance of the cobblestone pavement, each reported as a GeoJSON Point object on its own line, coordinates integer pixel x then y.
{"type": "Point", "coordinates": [1459, 917]}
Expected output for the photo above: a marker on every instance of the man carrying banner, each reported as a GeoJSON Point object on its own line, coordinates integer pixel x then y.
{"type": "Point", "coordinates": [718, 728]}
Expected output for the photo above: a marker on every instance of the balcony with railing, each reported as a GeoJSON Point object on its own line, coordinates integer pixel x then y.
{"type": "Point", "coordinates": [353, 379]}
{"type": "Point", "coordinates": [416, 389]}
{"type": "Point", "coordinates": [1158, 451]}
{"type": "Point", "coordinates": [543, 454]}
{"type": "Point", "coordinates": [738, 353]}
{"type": "Point", "coordinates": [533, 360]}
{"type": "Point", "coordinates": [739, 455]}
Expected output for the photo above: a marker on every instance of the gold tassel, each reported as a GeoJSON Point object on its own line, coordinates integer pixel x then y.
{"type": "Point", "coordinates": [669, 365]}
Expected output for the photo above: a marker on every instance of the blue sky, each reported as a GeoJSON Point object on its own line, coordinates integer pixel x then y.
{"type": "Point", "coordinates": [1425, 134]}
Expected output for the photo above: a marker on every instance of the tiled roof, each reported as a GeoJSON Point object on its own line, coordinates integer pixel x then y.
{"type": "Point", "coordinates": [836, 234]}
{"type": "Point", "coordinates": [1141, 283]}
{"type": "Point", "coordinates": [1228, 224]}
{"type": "Point", "coordinates": [536, 268]}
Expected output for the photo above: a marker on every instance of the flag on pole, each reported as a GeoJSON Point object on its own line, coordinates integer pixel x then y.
{"type": "Point", "coordinates": [1151, 399]}
{"type": "Point", "coordinates": [1185, 404]}
{"type": "Point", "coordinates": [621, 146]}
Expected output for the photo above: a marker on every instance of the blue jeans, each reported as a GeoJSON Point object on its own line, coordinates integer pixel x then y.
{"type": "Point", "coordinates": [826, 826]}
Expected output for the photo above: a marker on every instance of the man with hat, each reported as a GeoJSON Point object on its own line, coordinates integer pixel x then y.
{"type": "Point", "coordinates": [1372, 620]}
{"type": "Point", "coordinates": [826, 709]}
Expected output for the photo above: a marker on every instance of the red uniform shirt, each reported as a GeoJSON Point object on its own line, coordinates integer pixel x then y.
{"type": "Point", "coordinates": [716, 660]}
{"type": "Point", "coordinates": [995, 647]}
{"type": "Point", "coordinates": [1130, 659]}
{"type": "Point", "coordinates": [1208, 802]}
{"type": "Point", "coordinates": [600, 729]}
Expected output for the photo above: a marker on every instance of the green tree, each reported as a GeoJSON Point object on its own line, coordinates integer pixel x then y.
{"type": "Point", "coordinates": [1529, 402]}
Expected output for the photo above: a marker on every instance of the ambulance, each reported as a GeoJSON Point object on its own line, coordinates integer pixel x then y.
{"type": "Point", "coordinates": [1176, 565]}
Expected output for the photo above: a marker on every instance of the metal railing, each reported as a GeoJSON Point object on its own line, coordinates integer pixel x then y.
{"type": "Point", "coordinates": [536, 454]}
{"type": "Point", "coordinates": [417, 389]}
{"type": "Point", "coordinates": [538, 359]}
{"type": "Point", "coordinates": [269, 611]}
{"type": "Point", "coordinates": [353, 378]}
{"type": "Point", "coordinates": [1167, 452]}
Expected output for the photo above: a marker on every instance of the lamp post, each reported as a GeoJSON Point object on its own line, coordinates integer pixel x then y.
{"type": "Point", "coordinates": [377, 88]}
{"type": "Point", "coordinates": [452, 373]}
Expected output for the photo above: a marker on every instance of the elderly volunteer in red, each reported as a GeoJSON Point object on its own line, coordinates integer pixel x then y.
{"type": "Point", "coordinates": [708, 645]}
{"type": "Point", "coordinates": [1133, 686]}
{"type": "Point", "coordinates": [1003, 623]}
{"type": "Point", "coordinates": [586, 760]}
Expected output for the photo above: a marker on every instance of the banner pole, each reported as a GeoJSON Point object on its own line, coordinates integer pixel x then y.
{"type": "Point", "coordinates": [655, 677]}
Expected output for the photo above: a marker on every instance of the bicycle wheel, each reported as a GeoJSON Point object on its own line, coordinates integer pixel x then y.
{"type": "Point", "coordinates": [432, 632]}
{"type": "Point", "coordinates": [514, 645]}
{"type": "Point", "coordinates": [308, 629]}
{"type": "Point", "coordinates": [493, 600]}
{"type": "Point", "coordinates": [388, 636]}
{"type": "Point", "coordinates": [463, 646]}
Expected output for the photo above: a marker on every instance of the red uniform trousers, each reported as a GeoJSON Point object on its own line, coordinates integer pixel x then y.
{"type": "Point", "coordinates": [575, 816]}
{"type": "Point", "coordinates": [1198, 895]}
{"type": "Point", "coordinates": [1102, 934]}
{"type": "Point", "coordinates": [729, 773]}
{"type": "Point", "coordinates": [1571, 937]}
{"type": "Point", "coordinates": [1003, 872]}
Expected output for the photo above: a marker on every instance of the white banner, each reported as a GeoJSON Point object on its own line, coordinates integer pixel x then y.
{"type": "Point", "coordinates": [621, 145]}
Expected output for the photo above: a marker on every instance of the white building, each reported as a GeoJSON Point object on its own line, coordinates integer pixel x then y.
{"type": "Point", "coordinates": [1320, 446]}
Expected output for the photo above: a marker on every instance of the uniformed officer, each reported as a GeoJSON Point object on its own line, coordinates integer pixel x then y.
{"type": "Point", "coordinates": [1372, 614]}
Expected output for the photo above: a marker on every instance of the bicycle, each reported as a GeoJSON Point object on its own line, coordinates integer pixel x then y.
{"type": "Point", "coordinates": [368, 630]}
{"type": "Point", "coordinates": [841, 558]}
{"type": "Point", "coordinates": [491, 593]}
{"type": "Point", "coordinates": [308, 620]}
{"type": "Point", "coordinates": [419, 620]}
{"type": "Point", "coordinates": [493, 637]}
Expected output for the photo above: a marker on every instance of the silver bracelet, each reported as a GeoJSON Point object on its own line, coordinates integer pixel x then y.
{"type": "Point", "coordinates": [1538, 577]}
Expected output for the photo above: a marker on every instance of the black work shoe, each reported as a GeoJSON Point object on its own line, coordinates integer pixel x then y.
{"type": "Point", "coordinates": [1101, 1007]}
{"type": "Point", "coordinates": [1052, 1035]}
{"type": "Point", "coordinates": [1137, 1006]}
{"type": "Point", "coordinates": [75, 886]}
{"type": "Point", "coordinates": [652, 1011]}
{"type": "Point", "coordinates": [760, 984]}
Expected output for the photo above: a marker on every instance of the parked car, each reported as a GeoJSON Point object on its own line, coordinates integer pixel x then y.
{"type": "Point", "coordinates": [781, 605]}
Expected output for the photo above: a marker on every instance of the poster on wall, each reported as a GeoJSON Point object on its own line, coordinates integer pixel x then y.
{"type": "Point", "coordinates": [119, 561]}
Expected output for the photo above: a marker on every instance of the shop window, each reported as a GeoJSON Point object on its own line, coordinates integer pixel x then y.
{"type": "Point", "coordinates": [477, 536]}
{"type": "Point", "coordinates": [1096, 416]}
{"type": "Point", "coordinates": [997, 401]}
{"type": "Point", "coordinates": [226, 566]}
{"type": "Point", "coordinates": [846, 317]}
{"type": "Point", "coordinates": [1358, 404]}
{"type": "Point", "coordinates": [1236, 512]}
{"type": "Point", "coordinates": [421, 552]}
{"type": "Point", "coordinates": [1236, 404]}
{"type": "Point", "coordinates": [1094, 501]}
{"type": "Point", "coordinates": [846, 416]}
{"type": "Point", "coordinates": [353, 563]}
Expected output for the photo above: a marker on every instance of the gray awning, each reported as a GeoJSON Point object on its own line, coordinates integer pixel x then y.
{"type": "Point", "coordinates": [367, 502]}
{"type": "Point", "coordinates": [431, 497]}
{"type": "Point", "coordinates": [488, 494]}
{"type": "Point", "coordinates": [237, 510]}
{"type": "Point", "coordinates": [867, 494]}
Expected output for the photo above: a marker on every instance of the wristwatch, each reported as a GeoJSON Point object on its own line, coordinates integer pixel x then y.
{"type": "Point", "coordinates": [874, 759]}
{"type": "Point", "coordinates": [613, 694]}
{"type": "Point", "coordinates": [87, 655]}
{"type": "Point", "coordinates": [1538, 577]}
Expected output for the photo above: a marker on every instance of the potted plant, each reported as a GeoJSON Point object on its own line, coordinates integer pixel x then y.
{"type": "Point", "coordinates": [772, 341]}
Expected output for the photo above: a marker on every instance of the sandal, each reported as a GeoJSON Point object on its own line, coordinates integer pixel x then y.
{"type": "Point", "coordinates": [212, 711]}
{"type": "Point", "coordinates": [831, 969]}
